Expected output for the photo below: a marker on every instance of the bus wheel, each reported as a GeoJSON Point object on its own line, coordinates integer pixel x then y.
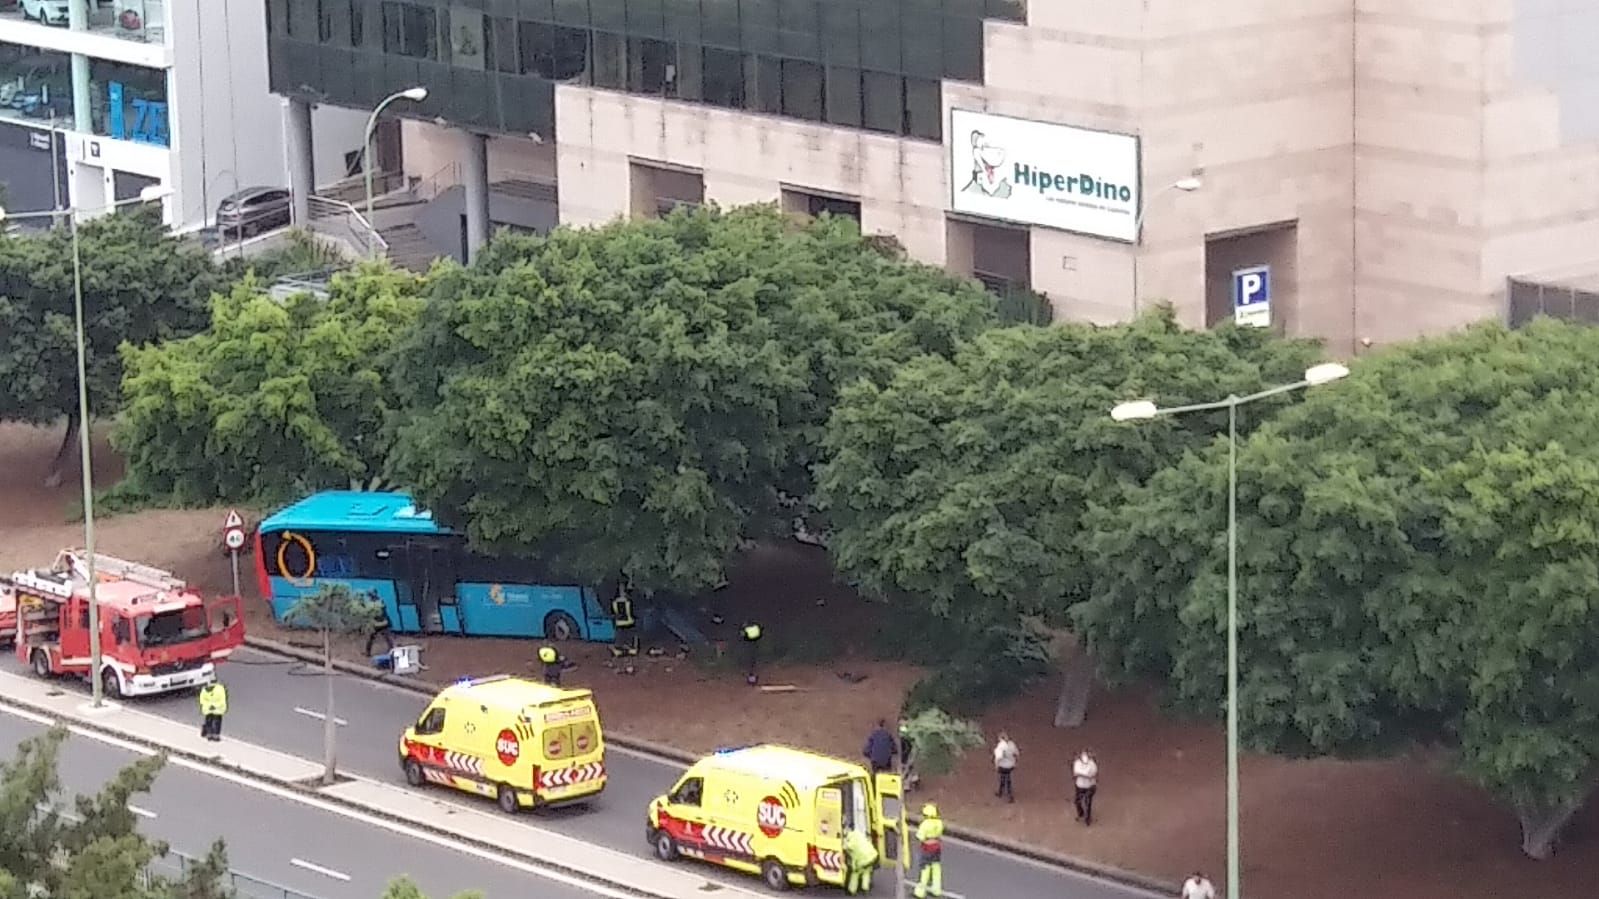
{"type": "Point", "coordinates": [110, 684]}
{"type": "Point", "coordinates": [507, 800]}
{"type": "Point", "coordinates": [41, 663]}
{"type": "Point", "coordinates": [775, 875]}
{"type": "Point", "coordinates": [560, 626]}
{"type": "Point", "coordinates": [413, 773]}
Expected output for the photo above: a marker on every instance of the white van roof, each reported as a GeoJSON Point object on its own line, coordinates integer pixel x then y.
{"type": "Point", "coordinates": [805, 770]}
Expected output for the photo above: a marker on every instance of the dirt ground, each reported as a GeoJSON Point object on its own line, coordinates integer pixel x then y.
{"type": "Point", "coordinates": [1311, 829]}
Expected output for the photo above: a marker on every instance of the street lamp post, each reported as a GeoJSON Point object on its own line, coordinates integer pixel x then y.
{"type": "Point", "coordinates": [416, 94]}
{"type": "Point", "coordinates": [148, 195]}
{"type": "Point", "coordinates": [1186, 185]}
{"type": "Point", "coordinates": [1315, 376]}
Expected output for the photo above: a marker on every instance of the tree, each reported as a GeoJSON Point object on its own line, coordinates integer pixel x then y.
{"type": "Point", "coordinates": [939, 740]}
{"type": "Point", "coordinates": [93, 851]}
{"type": "Point", "coordinates": [405, 888]}
{"type": "Point", "coordinates": [639, 398]}
{"type": "Point", "coordinates": [1418, 549]}
{"type": "Point", "coordinates": [141, 285]}
{"type": "Point", "coordinates": [332, 610]}
{"type": "Point", "coordinates": [959, 487]}
{"type": "Point", "coordinates": [276, 399]}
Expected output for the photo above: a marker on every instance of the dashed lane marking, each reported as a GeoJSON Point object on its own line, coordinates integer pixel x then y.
{"type": "Point", "coordinates": [321, 716]}
{"type": "Point", "coordinates": [325, 872]}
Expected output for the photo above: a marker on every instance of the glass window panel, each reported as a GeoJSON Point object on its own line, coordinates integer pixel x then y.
{"type": "Point", "coordinates": [841, 32]}
{"type": "Point", "coordinates": [690, 81]}
{"type": "Point", "coordinates": [649, 62]}
{"type": "Point", "coordinates": [534, 10]}
{"type": "Point", "coordinates": [724, 78]}
{"type": "Point", "coordinates": [759, 25]}
{"type": "Point", "coordinates": [923, 109]}
{"type": "Point", "coordinates": [965, 9]}
{"type": "Point", "coordinates": [644, 18]}
{"type": "Point", "coordinates": [608, 67]}
{"type": "Point", "coordinates": [880, 38]}
{"type": "Point", "coordinates": [766, 83]}
{"type": "Point", "coordinates": [844, 96]}
{"type": "Point", "coordinates": [410, 31]}
{"type": "Point", "coordinates": [467, 44]}
{"type": "Point", "coordinates": [802, 89]}
{"type": "Point", "coordinates": [127, 102]}
{"type": "Point", "coordinates": [499, 42]}
{"type": "Point", "coordinates": [681, 20]}
{"type": "Point", "coordinates": [801, 27]}
{"type": "Point", "coordinates": [606, 15]}
{"type": "Point", "coordinates": [1011, 10]}
{"type": "Point", "coordinates": [922, 46]}
{"type": "Point", "coordinates": [719, 23]}
{"type": "Point", "coordinates": [301, 21]}
{"type": "Point", "coordinates": [570, 12]}
{"type": "Point", "coordinates": [358, 22]}
{"type": "Point", "coordinates": [963, 49]}
{"type": "Point", "coordinates": [883, 102]}
{"type": "Point", "coordinates": [552, 52]}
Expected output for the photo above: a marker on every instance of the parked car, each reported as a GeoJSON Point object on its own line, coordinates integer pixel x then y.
{"type": "Point", "coordinates": [254, 210]}
{"type": "Point", "coordinates": [50, 12]}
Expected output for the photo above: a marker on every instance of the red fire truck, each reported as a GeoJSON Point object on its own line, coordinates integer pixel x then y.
{"type": "Point", "coordinates": [156, 635]}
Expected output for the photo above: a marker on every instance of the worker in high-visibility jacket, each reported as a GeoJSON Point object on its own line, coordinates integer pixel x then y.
{"type": "Point", "coordinates": [930, 840]}
{"type": "Point", "coordinates": [213, 705]}
{"type": "Point", "coordinates": [860, 856]}
{"type": "Point", "coordinates": [553, 663]}
{"type": "Point", "coordinates": [752, 642]}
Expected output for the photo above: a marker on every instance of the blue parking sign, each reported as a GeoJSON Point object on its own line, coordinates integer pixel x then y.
{"type": "Point", "coordinates": [1252, 296]}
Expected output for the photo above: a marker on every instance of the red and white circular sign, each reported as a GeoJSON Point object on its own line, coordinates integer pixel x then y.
{"type": "Point", "coordinates": [582, 742]}
{"type": "Point", "coordinates": [507, 747]}
{"type": "Point", "coordinates": [771, 817]}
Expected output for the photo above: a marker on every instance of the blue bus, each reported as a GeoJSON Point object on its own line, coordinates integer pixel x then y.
{"type": "Point", "coordinates": [426, 578]}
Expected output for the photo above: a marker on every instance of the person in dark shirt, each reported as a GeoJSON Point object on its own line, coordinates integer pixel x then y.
{"type": "Point", "coordinates": [880, 749]}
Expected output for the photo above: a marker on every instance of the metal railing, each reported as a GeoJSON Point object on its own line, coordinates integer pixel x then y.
{"type": "Point", "coordinates": [428, 189]}
{"type": "Point", "coordinates": [352, 188]}
{"type": "Point", "coordinates": [338, 220]}
{"type": "Point", "coordinates": [175, 865]}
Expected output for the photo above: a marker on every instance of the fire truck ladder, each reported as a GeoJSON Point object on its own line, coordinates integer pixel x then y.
{"type": "Point", "coordinates": [111, 567]}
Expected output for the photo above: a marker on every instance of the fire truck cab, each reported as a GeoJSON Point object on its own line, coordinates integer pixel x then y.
{"type": "Point", "coordinates": [156, 635]}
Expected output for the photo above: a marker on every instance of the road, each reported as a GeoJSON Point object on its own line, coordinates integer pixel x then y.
{"type": "Point", "coordinates": [276, 702]}
{"type": "Point", "coordinates": [282, 842]}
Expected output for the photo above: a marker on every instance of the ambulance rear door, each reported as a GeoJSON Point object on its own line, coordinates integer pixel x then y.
{"type": "Point", "coordinates": [838, 808]}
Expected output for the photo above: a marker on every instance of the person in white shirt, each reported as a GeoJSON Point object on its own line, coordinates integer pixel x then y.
{"type": "Point", "coordinates": [1085, 776]}
{"type": "Point", "coordinates": [1198, 886]}
{"type": "Point", "coordinates": [1005, 753]}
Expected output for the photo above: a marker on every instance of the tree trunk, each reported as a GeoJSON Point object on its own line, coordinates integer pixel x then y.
{"type": "Point", "coordinates": [1077, 681]}
{"type": "Point", "coordinates": [1540, 827]}
{"type": "Point", "coordinates": [330, 724]}
{"type": "Point", "coordinates": [58, 465]}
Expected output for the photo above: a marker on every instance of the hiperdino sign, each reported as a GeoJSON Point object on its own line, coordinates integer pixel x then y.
{"type": "Point", "coordinates": [1039, 173]}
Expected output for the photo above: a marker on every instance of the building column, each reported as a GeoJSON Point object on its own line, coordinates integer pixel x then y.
{"type": "Point", "coordinates": [82, 121]}
{"type": "Point", "coordinates": [475, 176]}
{"type": "Point", "coordinates": [302, 161]}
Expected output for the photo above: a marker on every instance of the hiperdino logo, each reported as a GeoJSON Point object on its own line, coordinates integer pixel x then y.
{"type": "Point", "coordinates": [990, 177]}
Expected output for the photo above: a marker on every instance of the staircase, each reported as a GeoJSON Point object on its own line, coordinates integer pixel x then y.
{"type": "Point", "coordinates": [409, 248]}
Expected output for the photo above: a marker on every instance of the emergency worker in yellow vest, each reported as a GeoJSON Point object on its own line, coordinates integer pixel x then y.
{"type": "Point", "coordinates": [553, 664]}
{"type": "Point", "coordinates": [751, 638]}
{"type": "Point", "coordinates": [930, 840]}
{"type": "Point", "coordinates": [860, 856]}
{"type": "Point", "coordinates": [213, 705]}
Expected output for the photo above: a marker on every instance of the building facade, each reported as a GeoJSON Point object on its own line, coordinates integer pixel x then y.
{"type": "Point", "coordinates": [102, 99]}
{"type": "Point", "coordinates": [1362, 171]}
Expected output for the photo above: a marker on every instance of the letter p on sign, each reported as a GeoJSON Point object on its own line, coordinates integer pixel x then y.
{"type": "Point", "coordinates": [1252, 296]}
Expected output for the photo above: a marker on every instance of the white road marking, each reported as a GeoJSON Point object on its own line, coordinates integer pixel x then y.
{"type": "Point", "coordinates": [444, 842]}
{"type": "Point", "coordinates": [141, 812]}
{"type": "Point", "coordinates": [321, 716]}
{"type": "Point", "coordinates": [326, 872]}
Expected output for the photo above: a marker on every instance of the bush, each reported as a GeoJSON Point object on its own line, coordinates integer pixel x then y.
{"type": "Point", "coordinates": [940, 740]}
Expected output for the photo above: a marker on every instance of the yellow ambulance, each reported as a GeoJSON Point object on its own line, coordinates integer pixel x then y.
{"type": "Point", "coordinates": [774, 811]}
{"type": "Point", "coordinates": [520, 742]}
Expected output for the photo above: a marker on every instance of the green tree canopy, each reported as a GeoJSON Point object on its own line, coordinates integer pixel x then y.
{"type": "Point", "coordinates": [637, 398]}
{"type": "Point", "coordinates": [276, 399]}
{"type": "Point", "coordinates": [1418, 552]}
{"type": "Point", "coordinates": [93, 849]}
{"type": "Point", "coordinates": [963, 480]}
{"type": "Point", "coordinates": [141, 285]}
{"type": "Point", "coordinates": [406, 888]}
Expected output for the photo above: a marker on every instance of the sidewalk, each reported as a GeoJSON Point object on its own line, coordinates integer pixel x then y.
{"type": "Point", "coordinates": [498, 834]}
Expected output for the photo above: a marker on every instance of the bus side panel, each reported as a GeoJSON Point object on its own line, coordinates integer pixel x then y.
{"type": "Point", "coordinates": [516, 610]}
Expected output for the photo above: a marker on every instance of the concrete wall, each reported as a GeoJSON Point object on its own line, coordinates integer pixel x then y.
{"type": "Point", "coordinates": [434, 152]}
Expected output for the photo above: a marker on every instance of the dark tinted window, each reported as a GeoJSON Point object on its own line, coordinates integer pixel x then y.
{"type": "Point", "coordinates": [410, 30]}
{"type": "Point", "coordinates": [552, 52]}
{"type": "Point", "coordinates": [724, 78]}
{"type": "Point", "coordinates": [499, 43]}
{"type": "Point", "coordinates": [650, 65]}
{"type": "Point", "coordinates": [802, 90]}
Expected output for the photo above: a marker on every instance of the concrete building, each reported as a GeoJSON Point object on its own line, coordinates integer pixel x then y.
{"type": "Point", "coordinates": [103, 98]}
{"type": "Point", "coordinates": [1377, 168]}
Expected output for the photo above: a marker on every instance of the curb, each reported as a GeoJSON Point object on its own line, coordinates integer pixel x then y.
{"type": "Point", "coordinates": [663, 752]}
{"type": "Point", "coordinates": [303, 789]}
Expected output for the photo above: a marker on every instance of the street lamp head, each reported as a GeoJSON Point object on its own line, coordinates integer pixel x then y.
{"type": "Point", "coordinates": [1134, 411]}
{"type": "Point", "coordinates": [154, 193]}
{"type": "Point", "coordinates": [1325, 373]}
{"type": "Point", "coordinates": [415, 93]}
{"type": "Point", "coordinates": [1189, 184]}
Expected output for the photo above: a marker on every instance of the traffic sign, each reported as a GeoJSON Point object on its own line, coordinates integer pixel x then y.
{"type": "Point", "coordinates": [233, 538]}
{"type": "Point", "coordinates": [234, 521]}
{"type": "Point", "coordinates": [1252, 296]}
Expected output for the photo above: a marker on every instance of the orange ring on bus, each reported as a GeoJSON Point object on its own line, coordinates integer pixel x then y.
{"type": "Point", "coordinates": [301, 580]}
